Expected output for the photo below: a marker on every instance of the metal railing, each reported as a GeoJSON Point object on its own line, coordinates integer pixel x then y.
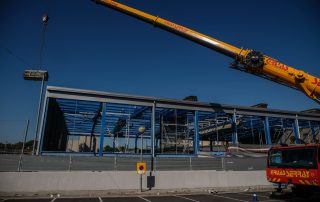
{"type": "Point", "coordinates": [12, 162]}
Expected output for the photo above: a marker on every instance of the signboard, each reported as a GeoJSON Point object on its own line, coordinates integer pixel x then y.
{"type": "Point", "coordinates": [36, 75]}
{"type": "Point", "coordinates": [141, 168]}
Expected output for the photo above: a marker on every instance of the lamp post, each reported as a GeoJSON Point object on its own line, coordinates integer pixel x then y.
{"type": "Point", "coordinates": [36, 75]}
{"type": "Point", "coordinates": [141, 129]}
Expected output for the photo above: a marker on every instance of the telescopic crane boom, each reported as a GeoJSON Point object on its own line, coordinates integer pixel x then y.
{"type": "Point", "coordinates": [250, 61]}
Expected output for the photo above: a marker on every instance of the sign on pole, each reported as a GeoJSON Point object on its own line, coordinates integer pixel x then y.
{"type": "Point", "coordinates": [141, 168]}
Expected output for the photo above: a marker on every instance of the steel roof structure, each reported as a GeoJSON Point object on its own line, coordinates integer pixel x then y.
{"type": "Point", "coordinates": [81, 114]}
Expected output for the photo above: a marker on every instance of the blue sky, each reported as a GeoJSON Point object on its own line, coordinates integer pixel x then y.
{"type": "Point", "coordinates": [89, 46]}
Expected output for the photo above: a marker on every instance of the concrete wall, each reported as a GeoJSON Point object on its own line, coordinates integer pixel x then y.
{"type": "Point", "coordinates": [84, 180]}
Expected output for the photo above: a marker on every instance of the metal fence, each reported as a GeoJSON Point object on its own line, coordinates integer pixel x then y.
{"type": "Point", "coordinates": [11, 162]}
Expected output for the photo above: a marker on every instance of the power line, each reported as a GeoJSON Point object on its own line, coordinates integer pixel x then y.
{"type": "Point", "coordinates": [15, 56]}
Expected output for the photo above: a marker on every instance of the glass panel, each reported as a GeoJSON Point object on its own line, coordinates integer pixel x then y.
{"type": "Point", "coordinates": [305, 131]}
{"type": "Point", "coordinates": [215, 131]}
{"type": "Point", "coordinates": [71, 125]}
{"type": "Point", "coordinates": [251, 130]}
{"type": "Point", "coordinates": [277, 129]}
{"type": "Point", "coordinates": [315, 130]}
{"type": "Point", "coordinates": [122, 129]}
{"type": "Point", "coordinates": [281, 130]}
{"type": "Point", "coordinates": [174, 131]}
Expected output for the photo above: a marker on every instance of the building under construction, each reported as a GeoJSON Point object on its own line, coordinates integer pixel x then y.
{"type": "Point", "coordinates": [84, 122]}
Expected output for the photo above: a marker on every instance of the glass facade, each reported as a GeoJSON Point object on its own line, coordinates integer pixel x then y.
{"type": "Point", "coordinates": [111, 127]}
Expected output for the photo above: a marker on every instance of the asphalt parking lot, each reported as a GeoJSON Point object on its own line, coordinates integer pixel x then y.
{"type": "Point", "coordinates": [216, 197]}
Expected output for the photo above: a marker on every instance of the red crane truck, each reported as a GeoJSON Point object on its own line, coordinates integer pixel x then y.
{"type": "Point", "coordinates": [297, 166]}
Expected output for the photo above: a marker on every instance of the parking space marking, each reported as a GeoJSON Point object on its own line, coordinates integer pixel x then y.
{"type": "Point", "coordinates": [100, 199]}
{"type": "Point", "coordinates": [228, 198]}
{"type": "Point", "coordinates": [53, 200]}
{"type": "Point", "coordinates": [27, 199]}
{"type": "Point", "coordinates": [186, 198]}
{"type": "Point", "coordinates": [252, 195]}
{"type": "Point", "coordinates": [77, 199]}
{"type": "Point", "coordinates": [267, 194]}
{"type": "Point", "coordinates": [144, 199]}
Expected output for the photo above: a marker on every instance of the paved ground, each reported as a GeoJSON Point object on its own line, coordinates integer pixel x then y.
{"type": "Point", "coordinates": [216, 197]}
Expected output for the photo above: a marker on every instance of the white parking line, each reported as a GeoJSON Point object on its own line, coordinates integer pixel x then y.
{"type": "Point", "coordinates": [144, 199]}
{"type": "Point", "coordinates": [27, 198]}
{"type": "Point", "coordinates": [100, 199]}
{"type": "Point", "coordinates": [53, 200]}
{"type": "Point", "coordinates": [252, 195]}
{"type": "Point", "coordinates": [187, 198]}
{"type": "Point", "coordinates": [227, 197]}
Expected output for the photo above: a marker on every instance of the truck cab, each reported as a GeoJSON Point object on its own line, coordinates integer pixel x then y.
{"type": "Point", "coordinates": [296, 166]}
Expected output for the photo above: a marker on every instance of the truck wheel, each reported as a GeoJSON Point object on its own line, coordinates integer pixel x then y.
{"type": "Point", "coordinates": [302, 191]}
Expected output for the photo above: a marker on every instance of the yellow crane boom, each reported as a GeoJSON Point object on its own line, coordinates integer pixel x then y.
{"type": "Point", "coordinates": [246, 60]}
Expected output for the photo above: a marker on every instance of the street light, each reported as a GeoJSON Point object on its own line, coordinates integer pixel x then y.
{"type": "Point", "coordinates": [39, 75]}
{"type": "Point", "coordinates": [141, 130]}
{"type": "Point", "coordinates": [36, 75]}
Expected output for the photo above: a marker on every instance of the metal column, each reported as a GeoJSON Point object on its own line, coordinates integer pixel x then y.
{"type": "Point", "coordinates": [282, 129]}
{"type": "Point", "coordinates": [153, 133]}
{"type": "Point", "coordinates": [37, 121]}
{"type": "Point", "coordinates": [42, 126]}
{"type": "Point", "coordinates": [234, 128]}
{"type": "Point", "coordinates": [267, 130]}
{"type": "Point", "coordinates": [103, 123]}
{"type": "Point", "coordinates": [296, 131]}
{"type": "Point", "coordinates": [196, 132]}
